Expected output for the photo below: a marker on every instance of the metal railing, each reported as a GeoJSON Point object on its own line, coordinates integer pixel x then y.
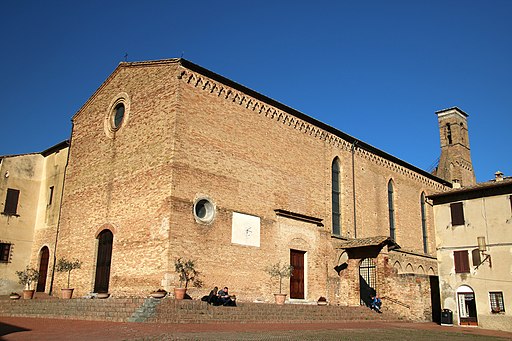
{"type": "Point", "coordinates": [393, 300]}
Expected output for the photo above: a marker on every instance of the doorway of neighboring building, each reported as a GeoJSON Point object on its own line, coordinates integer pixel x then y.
{"type": "Point", "coordinates": [367, 281]}
{"type": "Point", "coordinates": [44, 256]}
{"type": "Point", "coordinates": [435, 299]}
{"type": "Point", "coordinates": [297, 278]}
{"type": "Point", "coordinates": [105, 239]}
{"type": "Point", "coordinates": [467, 306]}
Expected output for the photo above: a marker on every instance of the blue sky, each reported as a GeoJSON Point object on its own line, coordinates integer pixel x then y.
{"type": "Point", "coordinates": [377, 70]}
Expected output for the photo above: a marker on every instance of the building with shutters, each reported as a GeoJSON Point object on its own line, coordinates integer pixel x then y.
{"type": "Point", "coordinates": [168, 159]}
{"type": "Point", "coordinates": [474, 251]}
{"type": "Point", "coordinates": [30, 197]}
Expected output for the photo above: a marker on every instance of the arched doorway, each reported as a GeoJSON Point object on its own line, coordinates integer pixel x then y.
{"type": "Point", "coordinates": [104, 257]}
{"type": "Point", "coordinates": [466, 303]}
{"type": "Point", "coordinates": [44, 256]}
{"type": "Point", "coordinates": [367, 281]}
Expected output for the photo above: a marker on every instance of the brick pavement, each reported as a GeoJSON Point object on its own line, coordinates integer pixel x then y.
{"type": "Point", "coordinates": [24, 328]}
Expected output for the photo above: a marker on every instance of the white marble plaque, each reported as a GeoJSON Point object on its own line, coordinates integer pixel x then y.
{"type": "Point", "coordinates": [245, 229]}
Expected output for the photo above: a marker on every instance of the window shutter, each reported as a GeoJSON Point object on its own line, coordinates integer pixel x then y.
{"type": "Point", "coordinates": [461, 260]}
{"type": "Point", "coordinates": [457, 212]}
{"type": "Point", "coordinates": [11, 201]}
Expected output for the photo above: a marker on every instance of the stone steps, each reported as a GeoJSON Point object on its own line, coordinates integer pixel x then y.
{"type": "Point", "coordinates": [117, 310]}
{"type": "Point", "coordinates": [199, 312]}
{"type": "Point", "coordinates": [168, 310]}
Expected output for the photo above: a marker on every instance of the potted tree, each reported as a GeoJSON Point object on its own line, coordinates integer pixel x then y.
{"type": "Point", "coordinates": [65, 265]}
{"type": "Point", "coordinates": [187, 273]}
{"type": "Point", "coordinates": [279, 271]}
{"type": "Point", "coordinates": [27, 277]}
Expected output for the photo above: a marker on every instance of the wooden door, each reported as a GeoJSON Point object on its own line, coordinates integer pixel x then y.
{"type": "Point", "coordinates": [103, 261]}
{"type": "Point", "coordinates": [43, 269]}
{"type": "Point", "coordinates": [297, 278]}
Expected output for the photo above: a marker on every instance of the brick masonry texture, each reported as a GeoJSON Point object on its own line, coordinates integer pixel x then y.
{"type": "Point", "coordinates": [187, 136]}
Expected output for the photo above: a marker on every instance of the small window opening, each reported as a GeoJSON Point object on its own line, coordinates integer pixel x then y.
{"type": "Point", "coordinates": [11, 201]}
{"type": "Point", "coordinates": [5, 252]}
{"type": "Point", "coordinates": [449, 133]}
{"type": "Point", "coordinates": [496, 300]}
{"type": "Point", "coordinates": [118, 115]}
{"type": "Point", "coordinates": [50, 195]}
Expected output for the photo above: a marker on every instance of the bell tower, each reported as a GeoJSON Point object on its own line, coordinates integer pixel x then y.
{"type": "Point", "coordinates": [455, 162]}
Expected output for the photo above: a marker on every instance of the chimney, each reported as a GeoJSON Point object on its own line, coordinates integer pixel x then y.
{"type": "Point", "coordinates": [498, 176]}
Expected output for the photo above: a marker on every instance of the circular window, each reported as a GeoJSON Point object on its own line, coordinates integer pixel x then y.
{"type": "Point", "coordinates": [204, 210]}
{"type": "Point", "coordinates": [118, 116]}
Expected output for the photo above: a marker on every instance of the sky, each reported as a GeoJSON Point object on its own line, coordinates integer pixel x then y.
{"type": "Point", "coordinates": [376, 70]}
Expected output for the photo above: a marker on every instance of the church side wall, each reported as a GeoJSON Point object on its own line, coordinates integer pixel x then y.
{"type": "Point", "coordinates": [251, 158]}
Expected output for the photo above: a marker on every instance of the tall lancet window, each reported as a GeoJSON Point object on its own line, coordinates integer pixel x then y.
{"type": "Point", "coordinates": [391, 207]}
{"type": "Point", "coordinates": [336, 197]}
{"type": "Point", "coordinates": [424, 223]}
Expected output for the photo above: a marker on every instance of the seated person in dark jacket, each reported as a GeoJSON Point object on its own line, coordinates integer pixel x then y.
{"type": "Point", "coordinates": [212, 297]}
{"type": "Point", "coordinates": [225, 298]}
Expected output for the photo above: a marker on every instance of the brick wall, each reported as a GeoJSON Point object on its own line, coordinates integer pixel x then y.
{"type": "Point", "coordinates": [189, 136]}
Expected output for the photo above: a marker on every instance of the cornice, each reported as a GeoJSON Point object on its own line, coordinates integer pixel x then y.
{"type": "Point", "coordinates": [260, 107]}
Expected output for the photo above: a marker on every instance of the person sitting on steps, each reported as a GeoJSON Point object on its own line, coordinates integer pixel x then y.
{"type": "Point", "coordinates": [212, 297]}
{"type": "Point", "coordinates": [376, 304]}
{"type": "Point", "coordinates": [225, 299]}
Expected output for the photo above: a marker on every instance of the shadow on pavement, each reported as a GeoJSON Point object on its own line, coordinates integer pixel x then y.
{"type": "Point", "coordinates": [9, 329]}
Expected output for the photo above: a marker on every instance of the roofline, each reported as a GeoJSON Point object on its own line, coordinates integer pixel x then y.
{"type": "Point", "coordinates": [59, 146]}
{"type": "Point", "coordinates": [309, 119]}
{"type": "Point", "coordinates": [485, 189]}
{"type": "Point", "coordinates": [215, 76]}
{"type": "Point", "coordinates": [452, 108]}
{"type": "Point", "coordinates": [46, 152]}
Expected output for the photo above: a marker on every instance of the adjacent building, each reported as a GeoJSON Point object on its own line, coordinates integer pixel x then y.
{"type": "Point", "coordinates": [30, 197]}
{"type": "Point", "coordinates": [474, 252]}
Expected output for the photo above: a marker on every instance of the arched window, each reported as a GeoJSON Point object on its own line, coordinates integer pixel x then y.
{"type": "Point", "coordinates": [424, 223]}
{"type": "Point", "coordinates": [336, 197]}
{"type": "Point", "coordinates": [391, 207]}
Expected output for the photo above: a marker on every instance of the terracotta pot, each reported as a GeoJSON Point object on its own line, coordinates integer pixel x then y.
{"type": "Point", "coordinates": [28, 294]}
{"type": "Point", "coordinates": [179, 293]}
{"type": "Point", "coordinates": [67, 293]}
{"type": "Point", "coordinates": [280, 298]}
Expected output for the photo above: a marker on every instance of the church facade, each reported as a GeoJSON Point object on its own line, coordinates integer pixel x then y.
{"type": "Point", "coordinates": [168, 159]}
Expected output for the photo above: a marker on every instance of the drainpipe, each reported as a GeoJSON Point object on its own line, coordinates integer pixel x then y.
{"type": "Point", "coordinates": [353, 150]}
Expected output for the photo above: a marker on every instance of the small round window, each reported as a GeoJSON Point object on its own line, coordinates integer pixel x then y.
{"type": "Point", "coordinates": [117, 116]}
{"type": "Point", "coordinates": [204, 210]}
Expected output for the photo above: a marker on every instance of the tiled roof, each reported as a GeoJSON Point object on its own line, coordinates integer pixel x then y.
{"type": "Point", "coordinates": [482, 185]}
{"type": "Point", "coordinates": [370, 241]}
